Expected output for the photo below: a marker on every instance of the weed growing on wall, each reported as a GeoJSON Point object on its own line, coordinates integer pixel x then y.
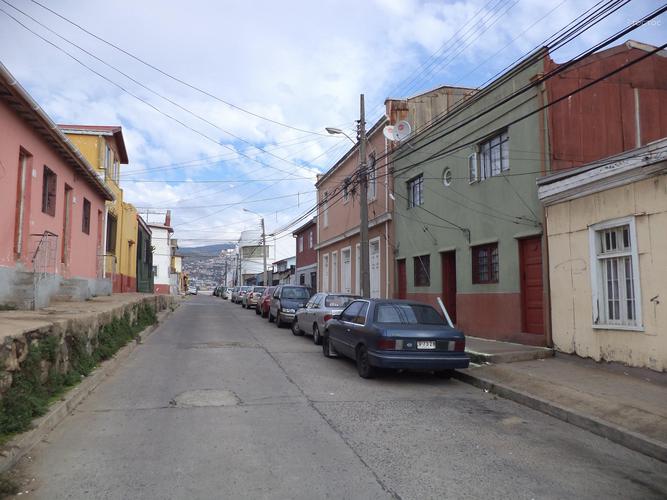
{"type": "Point", "coordinates": [32, 389]}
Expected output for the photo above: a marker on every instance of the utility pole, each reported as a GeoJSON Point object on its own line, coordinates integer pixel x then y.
{"type": "Point", "coordinates": [363, 204]}
{"type": "Point", "coordinates": [264, 252]}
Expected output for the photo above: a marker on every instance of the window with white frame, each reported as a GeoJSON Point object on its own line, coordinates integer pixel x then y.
{"type": "Point", "coordinates": [416, 191]}
{"type": "Point", "coordinates": [494, 156]}
{"type": "Point", "coordinates": [372, 178]}
{"type": "Point", "coordinates": [334, 272]}
{"type": "Point", "coordinates": [310, 239]}
{"type": "Point", "coordinates": [325, 209]}
{"type": "Point", "coordinates": [615, 276]}
{"type": "Point", "coordinates": [301, 243]}
{"type": "Point", "coordinates": [473, 174]}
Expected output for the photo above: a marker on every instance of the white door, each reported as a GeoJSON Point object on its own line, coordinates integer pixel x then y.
{"type": "Point", "coordinates": [374, 257]}
{"type": "Point", "coordinates": [334, 272]}
{"type": "Point", "coordinates": [346, 256]}
{"type": "Point", "coordinates": [357, 273]}
{"type": "Point", "coordinates": [325, 273]}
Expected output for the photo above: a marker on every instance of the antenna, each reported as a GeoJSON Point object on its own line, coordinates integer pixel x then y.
{"type": "Point", "coordinates": [398, 132]}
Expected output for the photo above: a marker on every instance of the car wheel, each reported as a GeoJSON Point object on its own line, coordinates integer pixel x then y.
{"type": "Point", "coordinates": [296, 330]}
{"type": "Point", "coordinates": [257, 310]}
{"type": "Point", "coordinates": [264, 314]}
{"type": "Point", "coordinates": [317, 338]}
{"type": "Point", "coordinates": [279, 321]}
{"type": "Point", "coordinates": [271, 318]}
{"type": "Point", "coordinates": [328, 350]}
{"type": "Point", "coordinates": [363, 363]}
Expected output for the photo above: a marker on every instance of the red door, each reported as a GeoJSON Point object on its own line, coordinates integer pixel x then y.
{"type": "Point", "coordinates": [448, 266]}
{"type": "Point", "coordinates": [532, 309]}
{"type": "Point", "coordinates": [402, 280]}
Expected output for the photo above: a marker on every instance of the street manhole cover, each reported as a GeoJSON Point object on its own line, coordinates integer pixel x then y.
{"type": "Point", "coordinates": [204, 397]}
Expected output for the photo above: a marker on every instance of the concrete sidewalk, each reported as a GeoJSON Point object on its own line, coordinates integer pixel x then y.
{"type": "Point", "coordinates": [625, 405]}
{"type": "Point", "coordinates": [494, 351]}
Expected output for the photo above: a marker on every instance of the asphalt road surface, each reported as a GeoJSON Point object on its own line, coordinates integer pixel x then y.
{"type": "Point", "coordinates": [219, 403]}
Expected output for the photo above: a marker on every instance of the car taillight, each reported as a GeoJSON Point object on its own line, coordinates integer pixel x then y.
{"type": "Point", "coordinates": [460, 345]}
{"type": "Point", "coordinates": [327, 317]}
{"type": "Point", "coordinates": [387, 344]}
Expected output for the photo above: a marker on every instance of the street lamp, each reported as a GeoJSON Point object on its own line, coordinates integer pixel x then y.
{"type": "Point", "coordinates": [337, 131]}
{"type": "Point", "coordinates": [263, 243]}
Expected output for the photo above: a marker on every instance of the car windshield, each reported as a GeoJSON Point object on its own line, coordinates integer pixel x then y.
{"type": "Point", "coordinates": [259, 289]}
{"type": "Point", "coordinates": [293, 292]}
{"type": "Point", "coordinates": [245, 288]}
{"type": "Point", "coordinates": [407, 314]}
{"type": "Point", "coordinates": [339, 301]}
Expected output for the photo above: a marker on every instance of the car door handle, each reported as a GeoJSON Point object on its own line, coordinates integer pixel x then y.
{"type": "Point", "coordinates": [347, 330]}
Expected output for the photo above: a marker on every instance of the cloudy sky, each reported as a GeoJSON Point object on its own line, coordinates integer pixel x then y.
{"type": "Point", "coordinates": [300, 63]}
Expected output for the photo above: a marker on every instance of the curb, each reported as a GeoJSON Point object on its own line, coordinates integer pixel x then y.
{"type": "Point", "coordinates": [619, 435]}
{"type": "Point", "coordinates": [19, 446]}
{"type": "Point", "coordinates": [509, 357]}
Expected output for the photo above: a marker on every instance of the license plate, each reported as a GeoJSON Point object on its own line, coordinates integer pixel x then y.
{"type": "Point", "coordinates": [426, 344]}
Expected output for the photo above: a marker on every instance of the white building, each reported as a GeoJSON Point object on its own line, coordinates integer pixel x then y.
{"type": "Point", "coordinates": [162, 252]}
{"type": "Point", "coordinates": [251, 254]}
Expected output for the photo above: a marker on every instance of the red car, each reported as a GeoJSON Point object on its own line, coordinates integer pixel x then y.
{"type": "Point", "coordinates": [264, 302]}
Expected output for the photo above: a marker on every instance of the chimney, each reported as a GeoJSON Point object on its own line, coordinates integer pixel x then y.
{"type": "Point", "coordinates": [167, 219]}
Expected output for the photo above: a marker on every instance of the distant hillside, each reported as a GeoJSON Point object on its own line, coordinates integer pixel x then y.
{"type": "Point", "coordinates": [205, 251]}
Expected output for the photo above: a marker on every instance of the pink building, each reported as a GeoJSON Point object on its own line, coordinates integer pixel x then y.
{"type": "Point", "coordinates": [338, 247]}
{"type": "Point", "coordinates": [53, 208]}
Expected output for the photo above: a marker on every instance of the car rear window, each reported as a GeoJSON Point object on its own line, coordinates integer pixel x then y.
{"type": "Point", "coordinates": [293, 292]}
{"type": "Point", "coordinates": [407, 314]}
{"type": "Point", "coordinates": [259, 289]}
{"type": "Point", "coordinates": [338, 300]}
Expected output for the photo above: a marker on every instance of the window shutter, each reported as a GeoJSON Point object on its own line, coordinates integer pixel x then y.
{"type": "Point", "coordinates": [473, 174]}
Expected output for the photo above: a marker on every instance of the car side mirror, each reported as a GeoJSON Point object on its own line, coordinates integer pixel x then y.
{"type": "Point", "coordinates": [335, 316]}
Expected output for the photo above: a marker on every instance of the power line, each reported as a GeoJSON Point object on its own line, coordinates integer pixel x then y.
{"type": "Point", "coordinates": [172, 77]}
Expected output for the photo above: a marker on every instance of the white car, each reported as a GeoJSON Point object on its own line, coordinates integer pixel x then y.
{"type": "Point", "coordinates": [192, 290]}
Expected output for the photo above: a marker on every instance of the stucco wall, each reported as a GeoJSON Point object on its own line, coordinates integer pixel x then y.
{"type": "Point", "coordinates": [500, 209]}
{"type": "Point", "coordinates": [14, 135]}
{"type": "Point", "coordinates": [570, 274]}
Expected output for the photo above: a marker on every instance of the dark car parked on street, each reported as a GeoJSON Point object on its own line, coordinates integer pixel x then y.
{"type": "Point", "coordinates": [265, 302]}
{"type": "Point", "coordinates": [395, 334]}
{"type": "Point", "coordinates": [285, 301]}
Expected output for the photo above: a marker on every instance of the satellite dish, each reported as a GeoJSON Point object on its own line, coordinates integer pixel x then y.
{"type": "Point", "coordinates": [402, 130]}
{"type": "Point", "coordinates": [389, 132]}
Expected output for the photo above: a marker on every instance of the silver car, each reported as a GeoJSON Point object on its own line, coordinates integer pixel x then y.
{"type": "Point", "coordinates": [321, 307]}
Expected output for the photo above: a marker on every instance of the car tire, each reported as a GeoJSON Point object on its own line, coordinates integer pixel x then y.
{"type": "Point", "coordinates": [328, 350]}
{"type": "Point", "coordinates": [363, 363]}
{"type": "Point", "coordinates": [271, 318]}
{"type": "Point", "coordinates": [265, 314]}
{"type": "Point", "coordinates": [296, 330]}
{"type": "Point", "coordinates": [279, 321]}
{"type": "Point", "coordinates": [317, 338]}
{"type": "Point", "coordinates": [257, 311]}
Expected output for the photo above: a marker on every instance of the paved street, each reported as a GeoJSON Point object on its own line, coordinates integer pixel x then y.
{"type": "Point", "coordinates": [220, 404]}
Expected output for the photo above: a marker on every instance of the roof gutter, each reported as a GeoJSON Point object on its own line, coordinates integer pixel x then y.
{"type": "Point", "coordinates": [56, 132]}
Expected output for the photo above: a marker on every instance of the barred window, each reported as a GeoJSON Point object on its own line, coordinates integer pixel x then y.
{"type": "Point", "coordinates": [485, 263]}
{"type": "Point", "coordinates": [416, 191]}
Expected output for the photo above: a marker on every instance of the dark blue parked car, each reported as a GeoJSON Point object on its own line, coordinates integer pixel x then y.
{"type": "Point", "coordinates": [396, 334]}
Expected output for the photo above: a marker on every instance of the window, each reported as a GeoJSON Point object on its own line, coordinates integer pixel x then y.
{"type": "Point", "coordinates": [302, 279]}
{"type": "Point", "coordinates": [614, 274]}
{"type": "Point", "coordinates": [346, 190]}
{"type": "Point", "coordinates": [494, 156]}
{"type": "Point", "coordinates": [116, 171]}
{"type": "Point", "coordinates": [372, 177]}
{"type": "Point", "coordinates": [310, 239]}
{"type": "Point", "coordinates": [447, 177]}
{"type": "Point", "coordinates": [416, 191]}
{"type": "Point", "coordinates": [355, 313]}
{"type": "Point", "coordinates": [325, 209]}
{"type": "Point", "coordinates": [422, 270]}
{"type": "Point", "coordinates": [485, 263]}
{"type": "Point", "coordinates": [473, 173]}
{"type": "Point", "coordinates": [49, 185]}
{"type": "Point", "coordinates": [154, 271]}
{"type": "Point", "coordinates": [85, 225]}
{"type": "Point", "coordinates": [300, 243]}
{"type": "Point", "coordinates": [111, 233]}
{"type": "Point", "coordinates": [407, 314]}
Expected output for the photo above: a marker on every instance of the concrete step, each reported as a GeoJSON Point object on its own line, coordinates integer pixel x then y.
{"type": "Point", "coordinates": [494, 351]}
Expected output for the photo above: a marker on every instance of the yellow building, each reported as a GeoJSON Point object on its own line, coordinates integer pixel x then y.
{"type": "Point", "coordinates": [607, 237]}
{"type": "Point", "coordinates": [104, 148]}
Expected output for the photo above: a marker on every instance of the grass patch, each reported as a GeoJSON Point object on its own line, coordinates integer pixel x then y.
{"type": "Point", "coordinates": [32, 391]}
